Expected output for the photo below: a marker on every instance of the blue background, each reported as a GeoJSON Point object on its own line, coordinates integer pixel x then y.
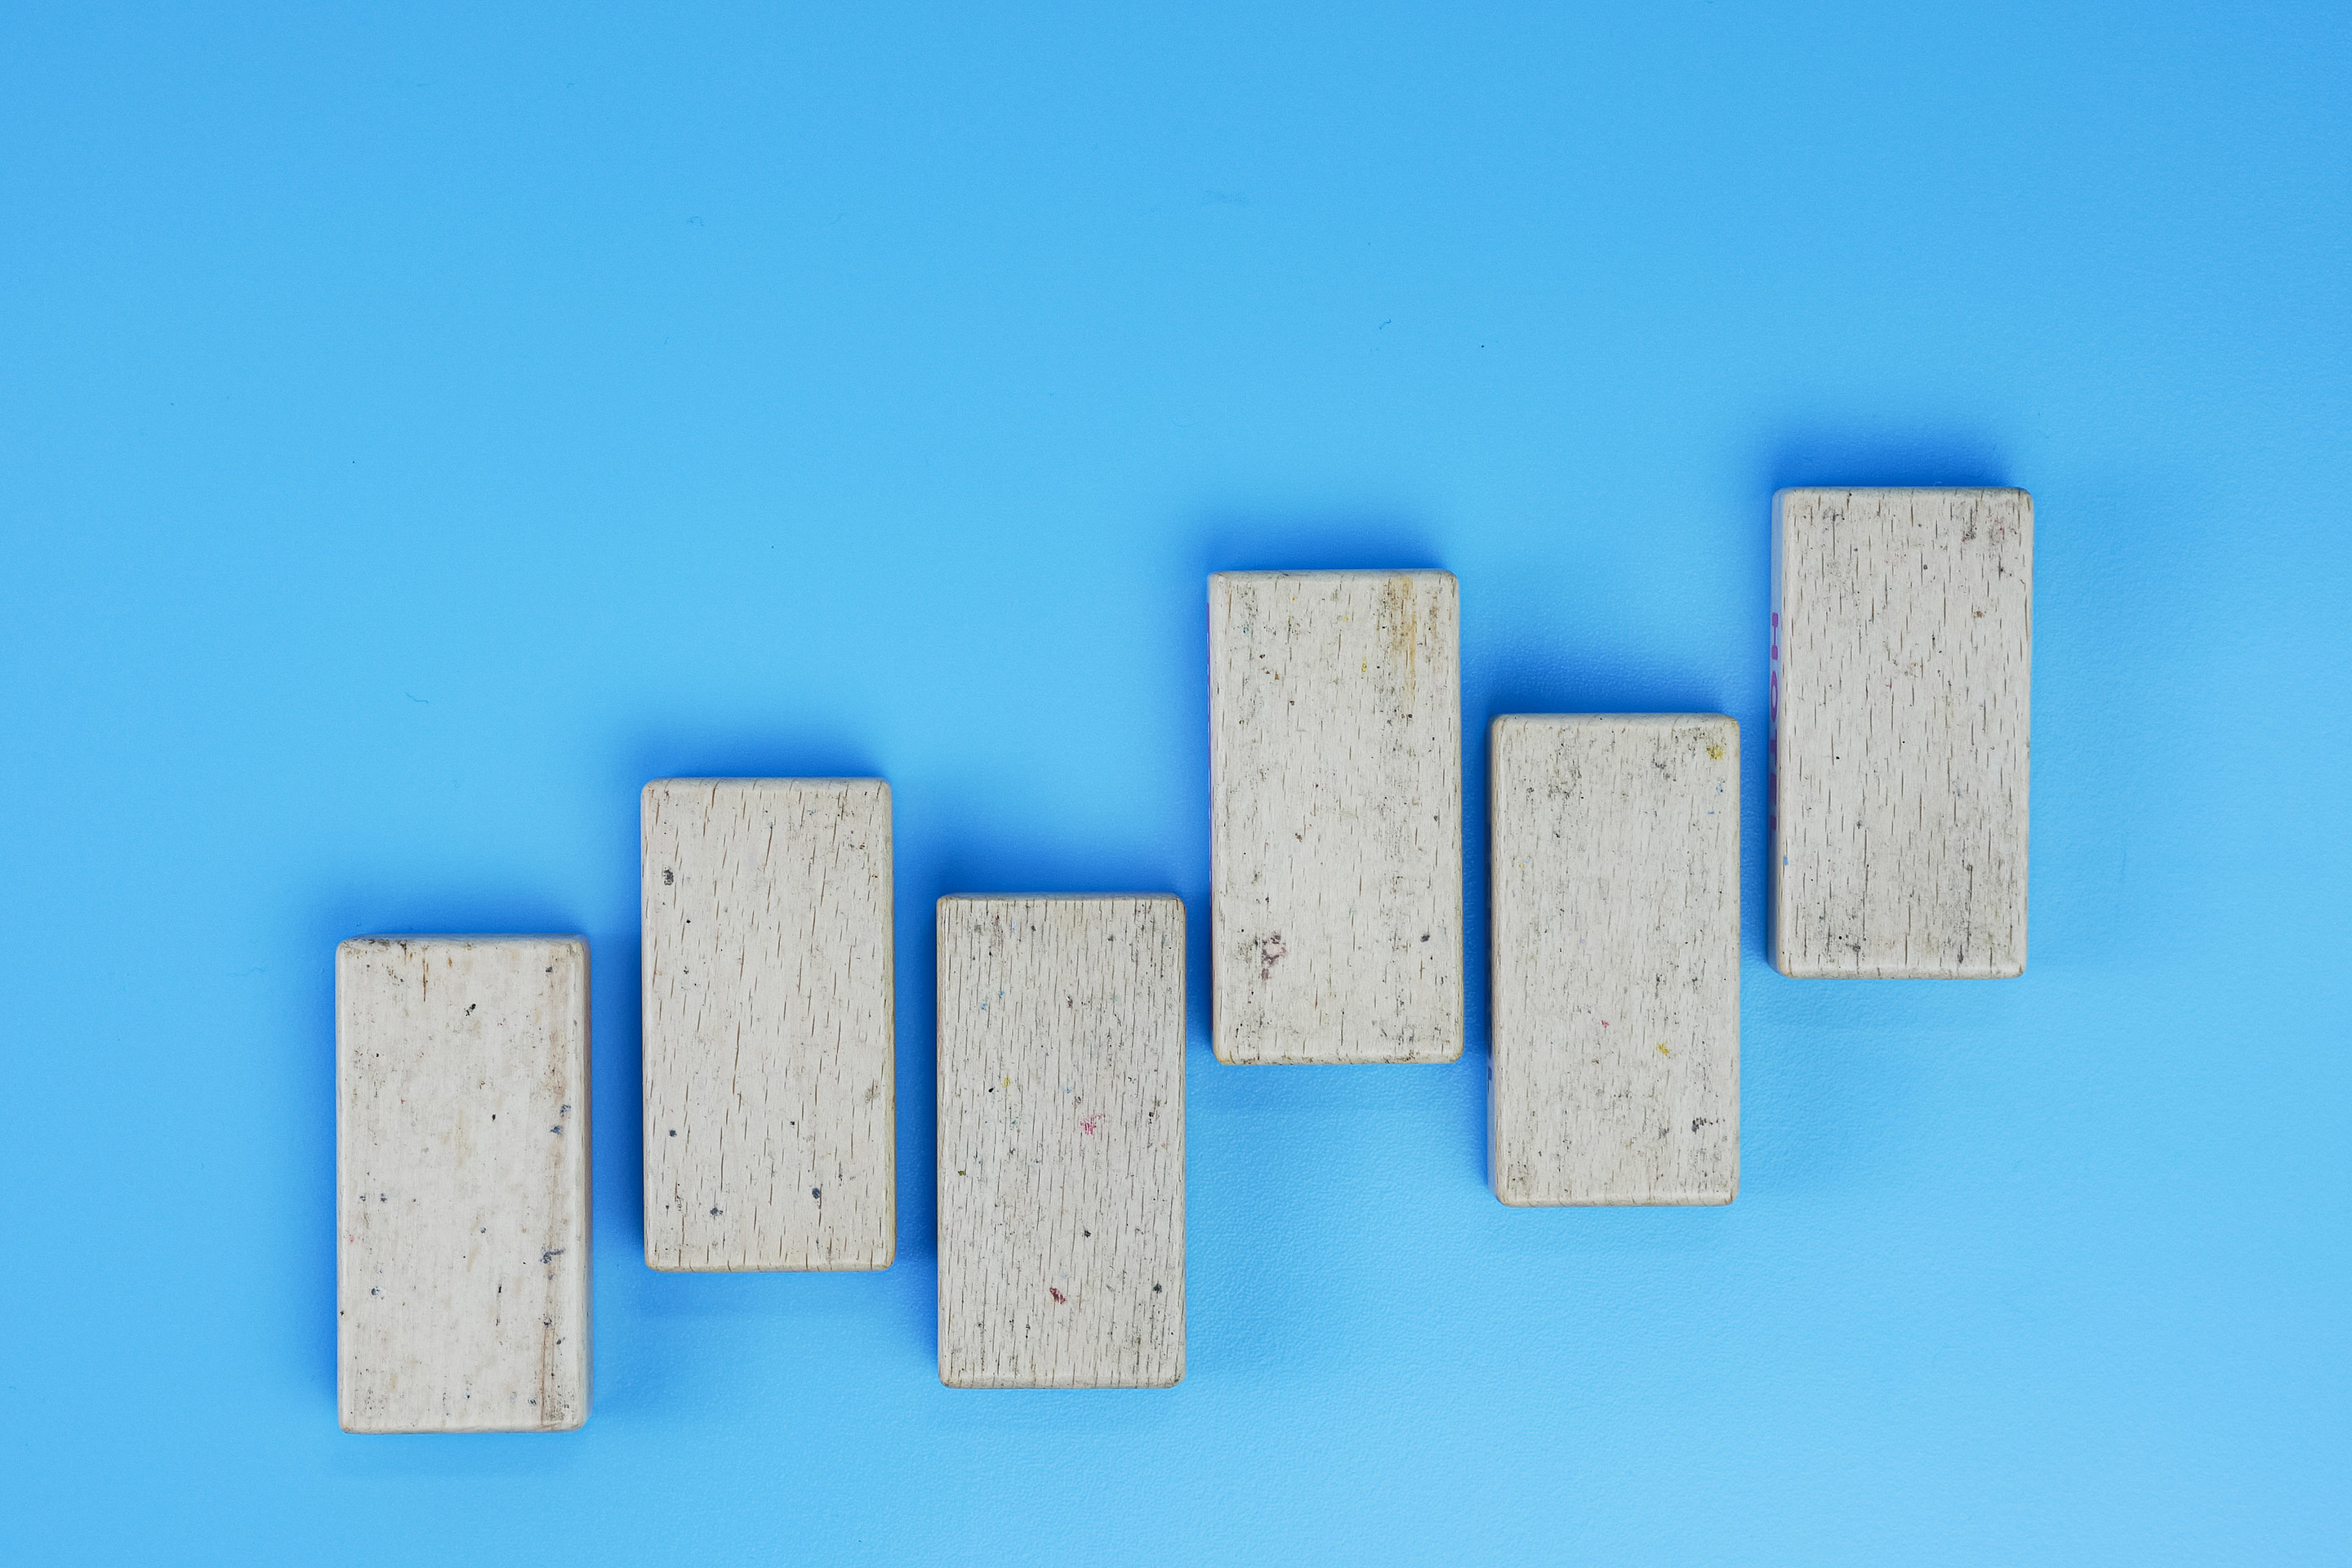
{"type": "Point", "coordinates": [422, 424]}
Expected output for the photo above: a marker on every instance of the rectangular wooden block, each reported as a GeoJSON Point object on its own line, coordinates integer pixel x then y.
{"type": "Point", "coordinates": [1061, 1141]}
{"type": "Point", "coordinates": [771, 1074]}
{"type": "Point", "coordinates": [1335, 799]}
{"type": "Point", "coordinates": [1615, 932]}
{"type": "Point", "coordinates": [1902, 667]}
{"type": "Point", "coordinates": [461, 1184]}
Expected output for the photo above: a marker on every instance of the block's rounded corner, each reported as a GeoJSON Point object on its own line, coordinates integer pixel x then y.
{"type": "Point", "coordinates": [645, 795]}
{"type": "Point", "coordinates": [575, 1424]}
{"type": "Point", "coordinates": [947, 1380]}
{"type": "Point", "coordinates": [2008, 972]}
{"type": "Point", "coordinates": [1512, 1199]}
{"type": "Point", "coordinates": [1173, 1382]}
{"type": "Point", "coordinates": [889, 1256]}
{"type": "Point", "coordinates": [1453, 1054]}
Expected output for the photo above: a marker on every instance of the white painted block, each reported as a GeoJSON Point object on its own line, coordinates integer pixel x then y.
{"type": "Point", "coordinates": [771, 1081]}
{"type": "Point", "coordinates": [1902, 666]}
{"type": "Point", "coordinates": [461, 1184]}
{"type": "Point", "coordinates": [1335, 800]}
{"type": "Point", "coordinates": [1061, 1107]}
{"type": "Point", "coordinates": [1615, 938]}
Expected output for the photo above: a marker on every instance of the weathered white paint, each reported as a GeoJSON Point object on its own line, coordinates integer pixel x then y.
{"type": "Point", "coordinates": [771, 1083]}
{"type": "Point", "coordinates": [461, 1185]}
{"type": "Point", "coordinates": [1615, 952]}
{"type": "Point", "coordinates": [1061, 1107]}
{"type": "Point", "coordinates": [1902, 666]}
{"type": "Point", "coordinates": [1335, 801]}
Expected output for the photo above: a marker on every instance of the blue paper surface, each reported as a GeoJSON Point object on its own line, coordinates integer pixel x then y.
{"type": "Point", "coordinates": [421, 426]}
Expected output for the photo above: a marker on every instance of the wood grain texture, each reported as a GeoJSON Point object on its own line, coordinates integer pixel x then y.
{"type": "Point", "coordinates": [1335, 790]}
{"type": "Point", "coordinates": [1061, 1101]}
{"type": "Point", "coordinates": [771, 1080]}
{"type": "Point", "coordinates": [1901, 676]}
{"type": "Point", "coordinates": [461, 1184]}
{"type": "Point", "coordinates": [1615, 957]}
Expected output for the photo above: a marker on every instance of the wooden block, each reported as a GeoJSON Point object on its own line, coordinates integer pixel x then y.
{"type": "Point", "coordinates": [1615, 932]}
{"type": "Point", "coordinates": [1061, 1141]}
{"type": "Point", "coordinates": [771, 1077]}
{"type": "Point", "coordinates": [461, 1184]}
{"type": "Point", "coordinates": [1902, 665]}
{"type": "Point", "coordinates": [1335, 791]}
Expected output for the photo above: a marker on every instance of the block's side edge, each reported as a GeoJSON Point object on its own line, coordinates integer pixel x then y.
{"type": "Point", "coordinates": [1498, 731]}
{"type": "Point", "coordinates": [1220, 824]}
{"type": "Point", "coordinates": [1179, 1048]}
{"type": "Point", "coordinates": [346, 1409]}
{"type": "Point", "coordinates": [784, 783]}
{"type": "Point", "coordinates": [668, 1259]}
{"type": "Point", "coordinates": [941, 955]}
{"type": "Point", "coordinates": [1775, 890]}
{"type": "Point", "coordinates": [1454, 872]}
{"type": "Point", "coordinates": [2025, 761]}
{"type": "Point", "coordinates": [1010, 1383]}
{"type": "Point", "coordinates": [1734, 886]}
{"type": "Point", "coordinates": [886, 854]}
{"type": "Point", "coordinates": [584, 1173]}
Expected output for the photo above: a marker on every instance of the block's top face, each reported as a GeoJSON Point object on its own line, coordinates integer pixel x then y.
{"type": "Point", "coordinates": [1431, 575]}
{"type": "Point", "coordinates": [1902, 646]}
{"type": "Point", "coordinates": [1522, 728]}
{"type": "Point", "coordinates": [568, 949]}
{"type": "Point", "coordinates": [770, 1074]}
{"type": "Point", "coordinates": [461, 1134]}
{"type": "Point", "coordinates": [947, 899]}
{"type": "Point", "coordinates": [2008, 496]}
{"type": "Point", "coordinates": [1616, 959]}
{"type": "Point", "coordinates": [1335, 761]}
{"type": "Point", "coordinates": [782, 787]}
{"type": "Point", "coordinates": [1061, 1141]}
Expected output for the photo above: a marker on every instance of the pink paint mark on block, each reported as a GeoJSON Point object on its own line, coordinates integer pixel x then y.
{"type": "Point", "coordinates": [1088, 1125]}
